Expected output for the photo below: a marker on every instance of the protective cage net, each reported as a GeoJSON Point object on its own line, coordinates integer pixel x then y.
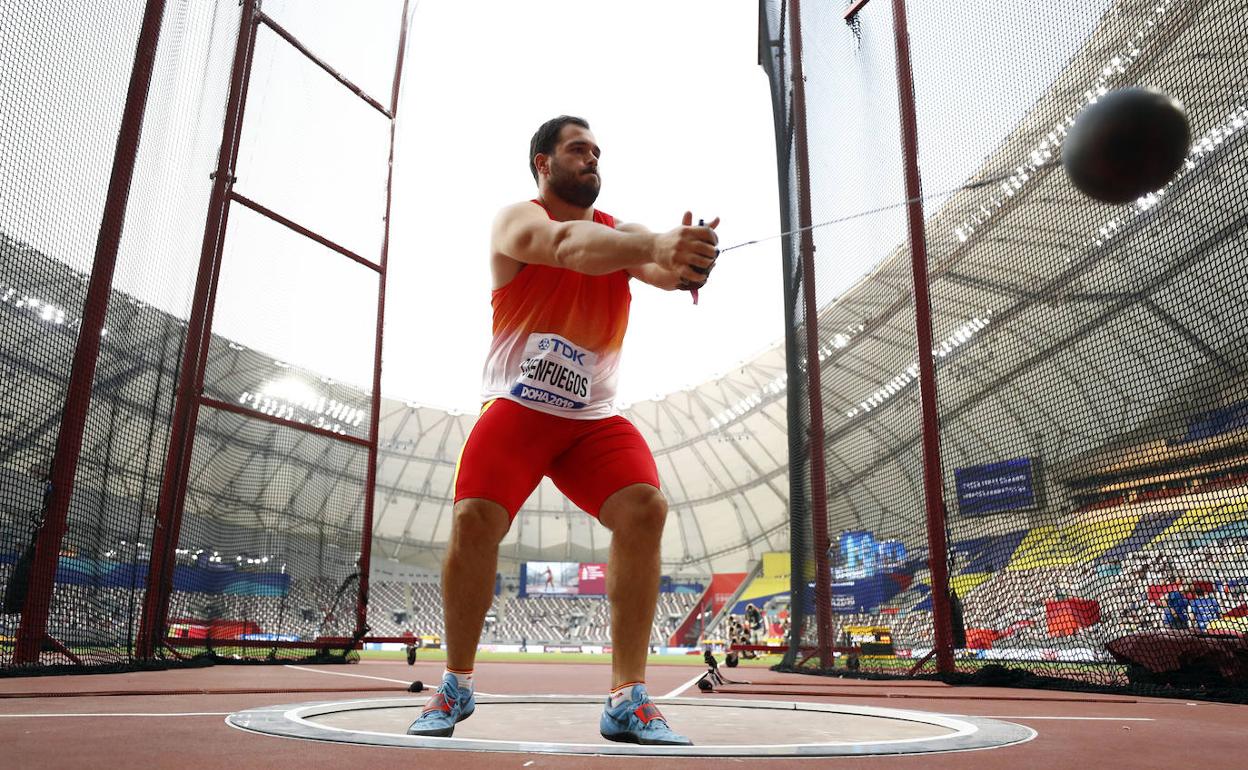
{"type": "Point", "coordinates": [269, 538]}
{"type": "Point", "coordinates": [65, 87]}
{"type": "Point", "coordinates": [279, 558]}
{"type": "Point", "coordinates": [1090, 361]}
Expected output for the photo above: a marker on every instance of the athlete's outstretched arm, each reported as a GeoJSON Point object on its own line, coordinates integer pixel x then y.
{"type": "Point", "coordinates": [525, 233]}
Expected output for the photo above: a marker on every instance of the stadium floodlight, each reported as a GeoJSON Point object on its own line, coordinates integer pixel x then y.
{"type": "Point", "coordinates": [293, 390]}
{"type": "Point", "coordinates": [960, 336]}
{"type": "Point", "coordinates": [748, 403]}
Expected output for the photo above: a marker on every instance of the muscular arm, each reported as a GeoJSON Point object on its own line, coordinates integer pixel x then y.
{"type": "Point", "coordinates": [523, 232]}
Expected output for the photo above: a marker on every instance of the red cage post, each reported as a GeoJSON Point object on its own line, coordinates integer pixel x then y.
{"type": "Point", "coordinates": [191, 389]}
{"type": "Point", "coordinates": [818, 488]}
{"type": "Point", "coordinates": [361, 621]}
{"type": "Point", "coordinates": [186, 404]}
{"type": "Point", "coordinates": [933, 492]}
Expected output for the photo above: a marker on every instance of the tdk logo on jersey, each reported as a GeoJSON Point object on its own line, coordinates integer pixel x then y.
{"type": "Point", "coordinates": [563, 349]}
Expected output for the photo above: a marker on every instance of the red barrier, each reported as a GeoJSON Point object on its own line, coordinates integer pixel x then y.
{"type": "Point", "coordinates": [1066, 616]}
{"type": "Point", "coordinates": [716, 595]}
{"type": "Point", "coordinates": [981, 638]}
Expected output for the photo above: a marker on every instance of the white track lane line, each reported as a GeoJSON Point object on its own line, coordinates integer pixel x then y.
{"type": "Point", "coordinates": [357, 676]}
{"type": "Point", "coordinates": [1077, 719]}
{"type": "Point", "coordinates": [167, 714]}
{"type": "Point", "coordinates": [684, 686]}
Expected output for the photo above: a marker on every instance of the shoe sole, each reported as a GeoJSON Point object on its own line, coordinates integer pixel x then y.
{"type": "Point", "coordinates": [631, 738]}
{"type": "Point", "coordinates": [443, 733]}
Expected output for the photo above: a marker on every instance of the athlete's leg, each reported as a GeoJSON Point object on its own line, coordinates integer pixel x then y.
{"type": "Point", "coordinates": [609, 472]}
{"type": "Point", "coordinates": [635, 516]}
{"type": "Point", "coordinates": [468, 572]}
{"type": "Point", "coordinates": [500, 465]}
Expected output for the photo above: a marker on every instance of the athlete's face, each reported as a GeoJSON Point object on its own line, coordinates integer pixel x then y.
{"type": "Point", "coordinates": [574, 167]}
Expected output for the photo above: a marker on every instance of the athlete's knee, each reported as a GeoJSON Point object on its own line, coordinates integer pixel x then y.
{"type": "Point", "coordinates": [639, 508]}
{"type": "Point", "coordinates": [651, 508]}
{"type": "Point", "coordinates": [479, 521]}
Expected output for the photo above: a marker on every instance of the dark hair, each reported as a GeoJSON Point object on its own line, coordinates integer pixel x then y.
{"type": "Point", "coordinates": [547, 136]}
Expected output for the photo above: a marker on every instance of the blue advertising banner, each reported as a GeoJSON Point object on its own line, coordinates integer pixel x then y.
{"type": "Point", "coordinates": [1215, 423]}
{"type": "Point", "coordinates": [869, 593]}
{"type": "Point", "coordinates": [1005, 486]}
{"type": "Point", "coordinates": [860, 555]}
{"type": "Point", "coordinates": [686, 588]}
{"type": "Point", "coordinates": [101, 573]}
{"type": "Point", "coordinates": [865, 594]}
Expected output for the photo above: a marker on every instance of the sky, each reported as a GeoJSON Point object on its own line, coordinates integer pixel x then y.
{"type": "Point", "coordinates": [681, 108]}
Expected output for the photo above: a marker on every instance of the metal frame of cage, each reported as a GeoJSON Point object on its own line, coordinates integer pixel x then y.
{"type": "Point", "coordinates": [814, 440]}
{"type": "Point", "coordinates": [812, 502]}
{"type": "Point", "coordinates": [33, 638]}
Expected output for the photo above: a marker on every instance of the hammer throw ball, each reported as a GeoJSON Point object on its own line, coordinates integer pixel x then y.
{"type": "Point", "coordinates": [1129, 143]}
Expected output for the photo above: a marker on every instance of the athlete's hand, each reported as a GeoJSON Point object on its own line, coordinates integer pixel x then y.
{"type": "Point", "coordinates": [688, 251]}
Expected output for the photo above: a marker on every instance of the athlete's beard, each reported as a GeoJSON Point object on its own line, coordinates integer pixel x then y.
{"type": "Point", "coordinates": [578, 189]}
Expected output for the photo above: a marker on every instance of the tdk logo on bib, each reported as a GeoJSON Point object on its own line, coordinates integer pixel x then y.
{"type": "Point", "coordinates": [567, 351]}
{"type": "Point", "coordinates": [555, 372]}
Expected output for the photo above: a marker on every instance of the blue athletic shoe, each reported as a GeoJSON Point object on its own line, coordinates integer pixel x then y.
{"type": "Point", "coordinates": [638, 720]}
{"type": "Point", "coordinates": [448, 706]}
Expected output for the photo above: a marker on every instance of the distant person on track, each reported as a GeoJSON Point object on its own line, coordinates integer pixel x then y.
{"type": "Point", "coordinates": [1175, 613]}
{"type": "Point", "coordinates": [411, 643]}
{"type": "Point", "coordinates": [561, 273]}
{"type": "Point", "coordinates": [753, 622]}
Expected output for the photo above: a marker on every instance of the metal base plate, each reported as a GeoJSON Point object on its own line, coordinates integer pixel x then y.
{"type": "Point", "coordinates": [569, 725]}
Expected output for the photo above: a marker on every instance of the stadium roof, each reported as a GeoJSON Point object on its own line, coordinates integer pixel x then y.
{"type": "Point", "coordinates": [727, 485]}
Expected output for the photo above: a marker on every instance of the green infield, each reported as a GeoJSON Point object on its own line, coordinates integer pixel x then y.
{"type": "Point", "coordinates": [438, 655]}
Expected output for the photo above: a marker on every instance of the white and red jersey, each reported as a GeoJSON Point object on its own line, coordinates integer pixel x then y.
{"type": "Point", "coordinates": [557, 340]}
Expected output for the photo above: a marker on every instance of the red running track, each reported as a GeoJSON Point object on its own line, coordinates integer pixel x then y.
{"type": "Point", "coordinates": [175, 719]}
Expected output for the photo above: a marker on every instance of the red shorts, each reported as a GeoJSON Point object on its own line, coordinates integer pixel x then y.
{"type": "Point", "coordinates": [512, 446]}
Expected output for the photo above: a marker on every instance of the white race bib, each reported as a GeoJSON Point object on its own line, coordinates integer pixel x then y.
{"type": "Point", "coordinates": [554, 372]}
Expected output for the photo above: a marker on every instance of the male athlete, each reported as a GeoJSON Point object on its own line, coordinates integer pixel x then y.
{"type": "Point", "coordinates": [561, 272]}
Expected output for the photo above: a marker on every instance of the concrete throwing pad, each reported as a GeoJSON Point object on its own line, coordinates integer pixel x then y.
{"type": "Point", "coordinates": [569, 725]}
